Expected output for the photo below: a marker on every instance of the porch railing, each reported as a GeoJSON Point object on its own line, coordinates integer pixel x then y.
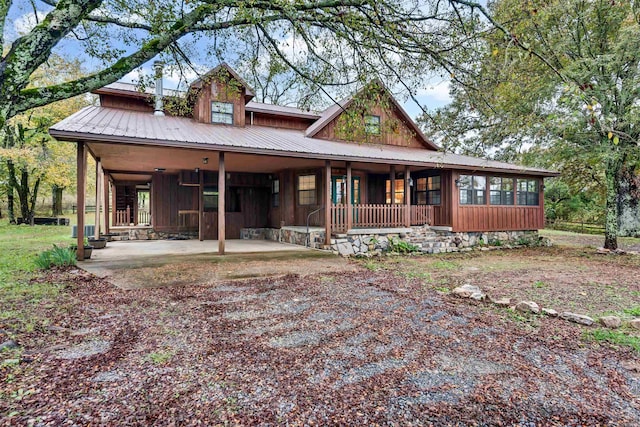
{"type": "Point", "coordinates": [375, 216]}
{"type": "Point", "coordinates": [123, 217]}
{"type": "Point", "coordinates": [421, 214]}
{"type": "Point", "coordinates": [144, 217]}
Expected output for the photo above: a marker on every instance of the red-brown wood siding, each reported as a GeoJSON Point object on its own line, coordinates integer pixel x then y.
{"type": "Point", "coordinates": [271, 120]}
{"type": "Point", "coordinates": [495, 217]}
{"type": "Point", "coordinates": [202, 105]}
{"type": "Point", "coordinates": [402, 135]}
{"type": "Point", "coordinates": [126, 103]}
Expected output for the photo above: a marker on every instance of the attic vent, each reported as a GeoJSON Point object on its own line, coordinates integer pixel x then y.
{"type": "Point", "coordinates": [158, 108]}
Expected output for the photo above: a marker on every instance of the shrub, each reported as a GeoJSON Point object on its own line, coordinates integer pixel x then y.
{"type": "Point", "coordinates": [56, 257]}
{"type": "Point", "coordinates": [402, 247]}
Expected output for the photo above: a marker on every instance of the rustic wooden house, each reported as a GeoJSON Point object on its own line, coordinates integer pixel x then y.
{"type": "Point", "coordinates": [215, 164]}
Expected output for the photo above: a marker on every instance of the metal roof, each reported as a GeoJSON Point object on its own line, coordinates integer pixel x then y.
{"type": "Point", "coordinates": [100, 124]}
{"type": "Point", "coordinates": [280, 110]}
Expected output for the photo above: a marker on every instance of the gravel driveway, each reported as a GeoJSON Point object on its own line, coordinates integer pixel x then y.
{"type": "Point", "coordinates": [358, 348]}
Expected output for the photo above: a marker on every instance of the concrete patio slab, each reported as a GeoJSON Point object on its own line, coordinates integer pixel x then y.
{"type": "Point", "coordinates": [160, 263]}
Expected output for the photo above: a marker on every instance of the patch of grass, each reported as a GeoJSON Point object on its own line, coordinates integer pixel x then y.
{"type": "Point", "coordinates": [633, 311]}
{"type": "Point", "coordinates": [443, 289]}
{"type": "Point", "coordinates": [445, 265]}
{"type": "Point", "coordinates": [372, 265]}
{"type": "Point", "coordinates": [614, 338]}
{"type": "Point", "coordinates": [159, 357]}
{"type": "Point", "coordinates": [539, 284]}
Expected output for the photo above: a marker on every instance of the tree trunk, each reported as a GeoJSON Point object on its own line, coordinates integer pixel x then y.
{"type": "Point", "coordinates": [10, 205]}
{"type": "Point", "coordinates": [23, 196]}
{"type": "Point", "coordinates": [612, 177]}
{"type": "Point", "coordinates": [56, 203]}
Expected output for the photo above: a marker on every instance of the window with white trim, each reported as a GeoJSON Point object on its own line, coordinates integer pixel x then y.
{"type": "Point", "coordinates": [306, 189]}
{"type": "Point", "coordinates": [500, 190]}
{"type": "Point", "coordinates": [222, 112]}
{"type": "Point", "coordinates": [528, 192]}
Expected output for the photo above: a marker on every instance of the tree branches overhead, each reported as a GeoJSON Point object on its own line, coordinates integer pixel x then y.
{"type": "Point", "coordinates": [324, 42]}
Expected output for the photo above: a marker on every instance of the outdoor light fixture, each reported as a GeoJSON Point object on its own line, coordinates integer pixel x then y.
{"type": "Point", "coordinates": [197, 170]}
{"type": "Point", "coordinates": [458, 183]}
{"type": "Point", "coordinates": [160, 169]}
{"type": "Point", "coordinates": [410, 182]}
{"type": "Point", "coordinates": [205, 160]}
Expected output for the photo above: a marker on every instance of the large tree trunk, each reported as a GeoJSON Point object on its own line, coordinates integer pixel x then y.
{"type": "Point", "coordinates": [629, 203]}
{"type": "Point", "coordinates": [612, 177]}
{"type": "Point", "coordinates": [56, 202]}
{"type": "Point", "coordinates": [23, 196]}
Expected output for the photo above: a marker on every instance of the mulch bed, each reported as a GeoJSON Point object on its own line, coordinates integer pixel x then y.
{"type": "Point", "coordinates": [359, 348]}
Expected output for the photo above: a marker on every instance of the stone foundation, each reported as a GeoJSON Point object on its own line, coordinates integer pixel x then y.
{"type": "Point", "coordinates": [148, 233]}
{"type": "Point", "coordinates": [292, 235]}
{"type": "Point", "coordinates": [425, 239]}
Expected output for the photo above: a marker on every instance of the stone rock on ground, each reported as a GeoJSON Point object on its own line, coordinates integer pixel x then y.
{"type": "Point", "coordinates": [577, 318]}
{"type": "Point", "coordinates": [528, 307]}
{"type": "Point", "coordinates": [9, 344]}
{"type": "Point", "coordinates": [550, 312]}
{"type": "Point", "coordinates": [610, 321]}
{"type": "Point", "coordinates": [502, 302]}
{"type": "Point", "coordinates": [635, 323]}
{"type": "Point", "coordinates": [345, 249]}
{"type": "Point", "coordinates": [469, 291]}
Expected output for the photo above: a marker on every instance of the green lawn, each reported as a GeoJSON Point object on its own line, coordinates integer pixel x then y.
{"type": "Point", "coordinates": [19, 245]}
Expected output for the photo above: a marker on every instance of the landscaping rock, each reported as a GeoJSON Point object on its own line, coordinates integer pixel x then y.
{"type": "Point", "coordinates": [577, 318]}
{"type": "Point", "coordinates": [550, 312]}
{"type": "Point", "coordinates": [8, 345]}
{"type": "Point", "coordinates": [528, 307]}
{"type": "Point", "coordinates": [610, 321]}
{"type": "Point", "coordinates": [345, 249]}
{"type": "Point", "coordinates": [502, 302]}
{"type": "Point", "coordinates": [468, 291]}
{"type": "Point", "coordinates": [635, 323]}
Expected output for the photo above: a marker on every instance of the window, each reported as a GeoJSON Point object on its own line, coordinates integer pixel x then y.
{"type": "Point", "coordinates": [372, 125]}
{"type": "Point", "coordinates": [500, 191]}
{"type": "Point", "coordinates": [275, 193]}
{"type": "Point", "coordinates": [306, 189]}
{"type": "Point", "coordinates": [210, 199]}
{"type": "Point", "coordinates": [428, 190]}
{"type": "Point", "coordinates": [528, 192]}
{"type": "Point", "coordinates": [472, 189]}
{"type": "Point", "coordinates": [222, 112]}
{"type": "Point", "coordinates": [398, 193]}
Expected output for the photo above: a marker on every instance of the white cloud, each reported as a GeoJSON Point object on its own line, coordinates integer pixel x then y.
{"type": "Point", "coordinates": [25, 23]}
{"type": "Point", "coordinates": [437, 92]}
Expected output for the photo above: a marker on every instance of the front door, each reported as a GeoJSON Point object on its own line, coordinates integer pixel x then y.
{"type": "Point", "coordinates": [339, 189]}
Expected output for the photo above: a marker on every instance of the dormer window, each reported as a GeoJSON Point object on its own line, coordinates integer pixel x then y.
{"type": "Point", "coordinates": [372, 125]}
{"type": "Point", "coordinates": [222, 112]}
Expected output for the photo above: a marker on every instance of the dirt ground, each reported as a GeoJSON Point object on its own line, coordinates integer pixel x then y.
{"type": "Point", "coordinates": [207, 269]}
{"type": "Point", "coordinates": [376, 342]}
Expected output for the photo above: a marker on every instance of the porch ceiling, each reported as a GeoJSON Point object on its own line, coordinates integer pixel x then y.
{"type": "Point", "coordinates": [135, 163]}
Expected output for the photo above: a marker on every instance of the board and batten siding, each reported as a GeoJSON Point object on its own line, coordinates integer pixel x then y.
{"type": "Point", "coordinates": [486, 217]}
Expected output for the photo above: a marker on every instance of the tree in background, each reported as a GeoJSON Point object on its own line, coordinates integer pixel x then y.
{"type": "Point", "coordinates": [29, 160]}
{"type": "Point", "coordinates": [561, 79]}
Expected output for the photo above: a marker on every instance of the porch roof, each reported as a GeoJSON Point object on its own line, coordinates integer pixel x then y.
{"type": "Point", "coordinates": [100, 124]}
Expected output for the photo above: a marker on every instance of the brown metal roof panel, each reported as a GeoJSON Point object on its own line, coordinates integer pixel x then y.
{"type": "Point", "coordinates": [106, 123]}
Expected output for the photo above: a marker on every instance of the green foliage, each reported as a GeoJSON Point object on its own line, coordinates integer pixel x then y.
{"type": "Point", "coordinates": [160, 357]}
{"type": "Point", "coordinates": [613, 337]}
{"type": "Point", "coordinates": [444, 265]}
{"type": "Point", "coordinates": [56, 257]}
{"type": "Point", "coordinates": [540, 285]}
{"type": "Point", "coordinates": [401, 246]}
{"type": "Point", "coordinates": [559, 91]}
{"type": "Point", "coordinates": [633, 311]}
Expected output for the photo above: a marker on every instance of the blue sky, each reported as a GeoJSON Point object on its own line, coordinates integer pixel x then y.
{"type": "Point", "coordinates": [22, 17]}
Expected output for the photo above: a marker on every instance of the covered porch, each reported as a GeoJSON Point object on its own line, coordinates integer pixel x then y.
{"type": "Point", "coordinates": [213, 196]}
